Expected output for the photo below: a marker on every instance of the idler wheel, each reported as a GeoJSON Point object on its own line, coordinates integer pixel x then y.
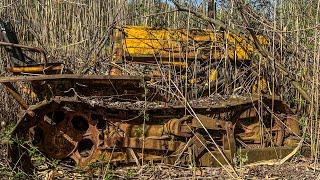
{"type": "Point", "coordinates": [264, 131]}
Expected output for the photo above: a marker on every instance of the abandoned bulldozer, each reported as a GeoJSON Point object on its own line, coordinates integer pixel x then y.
{"type": "Point", "coordinates": [126, 118]}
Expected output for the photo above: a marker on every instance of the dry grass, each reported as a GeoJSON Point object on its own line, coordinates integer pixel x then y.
{"type": "Point", "coordinates": [74, 32]}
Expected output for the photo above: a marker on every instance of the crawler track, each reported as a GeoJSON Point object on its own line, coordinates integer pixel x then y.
{"type": "Point", "coordinates": [76, 132]}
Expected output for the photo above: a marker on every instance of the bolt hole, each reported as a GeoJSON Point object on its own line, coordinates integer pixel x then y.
{"type": "Point", "coordinates": [85, 147]}
{"type": "Point", "coordinates": [80, 123]}
{"type": "Point", "coordinates": [56, 116]}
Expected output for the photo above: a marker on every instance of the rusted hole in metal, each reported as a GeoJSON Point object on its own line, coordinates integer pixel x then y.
{"type": "Point", "coordinates": [56, 116]}
{"type": "Point", "coordinates": [101, 123]}
{"type": "Point", "coordinates": [38, 135]}
{"type": "Point", "coordinates": [85, 147]}
{"type": "Point", "coordinates": [80, 123]}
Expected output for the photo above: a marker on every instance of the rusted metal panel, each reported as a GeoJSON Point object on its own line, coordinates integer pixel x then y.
{"type": "Point", "coordinates": [252, 155]}
{"type": "Point", "coordinates": [154, 144]}
{"type": "Point", "coordinates": [46, 86]}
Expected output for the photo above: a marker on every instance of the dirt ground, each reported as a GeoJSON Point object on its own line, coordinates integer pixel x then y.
{"type": "Point", "coordinates": [298, 168]}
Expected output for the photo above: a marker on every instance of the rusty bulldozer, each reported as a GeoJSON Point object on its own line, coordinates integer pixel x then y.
{"type": "Point", "coordinates": [123, 119]}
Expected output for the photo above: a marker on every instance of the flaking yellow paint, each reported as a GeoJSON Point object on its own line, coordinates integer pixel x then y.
{"type": "Point", "coordinates": [177, 44]}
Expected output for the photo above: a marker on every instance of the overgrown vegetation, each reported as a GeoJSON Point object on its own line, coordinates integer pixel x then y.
{"type": "Point", "coordinates": [79, 33]}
